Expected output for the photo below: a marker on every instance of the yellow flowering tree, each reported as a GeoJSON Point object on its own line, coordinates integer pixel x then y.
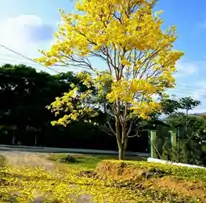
{"type": "Point", "coordinates": [139, 56]}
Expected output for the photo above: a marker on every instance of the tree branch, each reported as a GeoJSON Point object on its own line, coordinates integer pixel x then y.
{"type": "Point", "coordinates": [106, 110]}
{"type": "Point", "coordinates": [79, 62]}
{"type": "Point", "coordinates": [136, 134]}
{"type": "Point", "coordinates": [111, 129]}
{"type": "Point", "coordinates": [105, 129]}
{"type": "Point", "coordinates": [130, 129]}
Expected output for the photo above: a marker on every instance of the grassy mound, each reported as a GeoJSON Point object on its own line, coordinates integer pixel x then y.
{"type": "Point", "coordinates": [118, 170]}
{"type": "Point", "coordinates": [164, 179]}
{"type": "Point", "coordinates": [132, 170]}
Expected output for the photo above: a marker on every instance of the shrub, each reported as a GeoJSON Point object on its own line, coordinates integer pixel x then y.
{"type": "Point", "coordinates": [166, 151]}
{"type": "Point", "coordinates": [68, 159]}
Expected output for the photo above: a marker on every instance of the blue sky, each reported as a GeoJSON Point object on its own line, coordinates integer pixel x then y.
{"type": "Point", "coordinates": [27, 26]}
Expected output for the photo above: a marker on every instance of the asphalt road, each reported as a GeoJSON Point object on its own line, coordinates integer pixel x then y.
{"type": "Point", "coordinates": [17, 148]}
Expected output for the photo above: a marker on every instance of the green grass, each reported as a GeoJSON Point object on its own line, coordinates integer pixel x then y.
{"type": "Point", "coordinates": [87, 161]}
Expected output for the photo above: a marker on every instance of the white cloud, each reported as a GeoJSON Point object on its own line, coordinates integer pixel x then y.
{"type": "Point", "coordinates": [187, 86]}
{"type": "Point", "coordinates": [186, 68]}
{"type": "Point", "coordinates": [199, 92]}
{"type": "Point", "coordinates": [25, 33]}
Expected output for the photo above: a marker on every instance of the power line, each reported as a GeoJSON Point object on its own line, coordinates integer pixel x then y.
{"type": "Point", "coordinates": [171, 91]}
{"type": "Point", "coordinates": [175, 91]}
{"type": "Point", "coordinates": [22, 55]}
{"type": "Point", "coordinates": [178, 89]}
{"type": "Point", "coordinates": [191, 87]}
{"type": "Point", "coordinates": [188, 90]}
{"type": "Point", "coordinates": [18, 77]}
{"type": "Point", "coordinates": [4, 61]}
{"type": "Point", "coordinates": [14, 60]}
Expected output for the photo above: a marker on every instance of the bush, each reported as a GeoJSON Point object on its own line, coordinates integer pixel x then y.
{"type": "Point", "coordinates": [68, 159]}
{"type": "Point", "coordinates": [166, 151]}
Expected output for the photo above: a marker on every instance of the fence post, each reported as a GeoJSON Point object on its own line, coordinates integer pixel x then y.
{"type": "Point", "coordinates": [173, 138]}
{"type": "Point", "coordinates": [152, 140]}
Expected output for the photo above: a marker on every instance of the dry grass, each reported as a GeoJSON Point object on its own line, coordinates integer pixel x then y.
{"type": "Point", "coordinates": [118, 171]}
{"type": "Point", "coordinates": [21, 159]}
{"type": "Point", "coordinates": [192, 189]}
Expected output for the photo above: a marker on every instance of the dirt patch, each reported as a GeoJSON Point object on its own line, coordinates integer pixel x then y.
{"type": "Point", "coordinates": [125, 172]}
{"type": "Point", "coordinates": [21, 159]}
{"type": "Point", "coordinates": [197, 190]}
{"type": "Point", "coordinates": [88, 174]}
{"type": "Point", "coordinates": [117, 171]}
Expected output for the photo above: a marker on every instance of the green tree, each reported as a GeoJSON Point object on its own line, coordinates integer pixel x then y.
{"type": "Point", "coordinates": [188, 103]}
{"type": "Point", "coordinates": [24, 95]}
{"type": "Point", "coordinates": [190, 146]}
{"type": "Point", "coordinates": [190, 130]}
{"type": "Point", "coordinates": [169, 106]}
{"type": "Point", "coordinates": [174, 107]}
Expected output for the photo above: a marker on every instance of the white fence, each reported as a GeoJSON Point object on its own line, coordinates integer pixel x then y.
{"type": "Point", "coordinates": [154, 160]}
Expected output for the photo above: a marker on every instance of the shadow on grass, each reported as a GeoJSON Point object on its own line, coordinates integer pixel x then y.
{"type": "Point", "coordinates": [6, 175]}
{"type": "Point", "coordinates": [88, 161]}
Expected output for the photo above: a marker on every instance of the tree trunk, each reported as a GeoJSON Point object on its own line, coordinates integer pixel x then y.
{"type": "Point", "coordinates": [122, 150]}
{"type": "Point", "coordinates": [13, 139]}
{"type": "Point", "coordinates": [121, 153]}
{"type": "Point", "coordinates": [186, 126]}
{"type": "Point", "coordinates": [35, 141]}
{"type": "Point", "coordinates": [121, 134]}
{"type": "Point", "coordinates": [118, 137]}
{"type": "Point", "coordinates": [121, 137]}
{"type": "Point", "coordinates": [124, 140]}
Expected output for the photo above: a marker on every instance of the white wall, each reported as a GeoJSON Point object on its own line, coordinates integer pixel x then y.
{"type": "Point", "coordinates": [154, 160]}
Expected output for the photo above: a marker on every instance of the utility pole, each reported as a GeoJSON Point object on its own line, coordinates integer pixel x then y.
{"type": "Point", "coordinates": [178, 138]}
{"type": "Point", "coordinates": [186, 122]}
